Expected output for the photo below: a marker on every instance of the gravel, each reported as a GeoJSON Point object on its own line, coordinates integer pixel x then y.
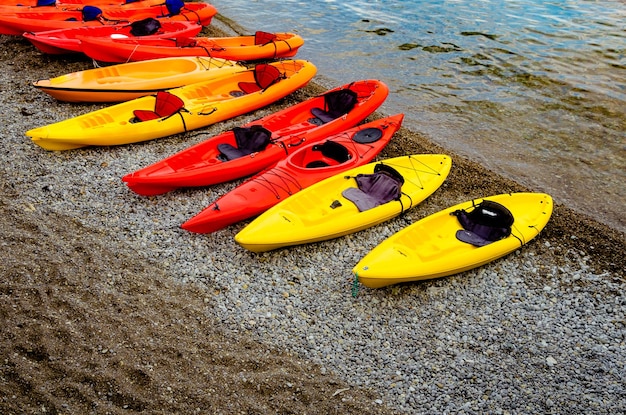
{"type": "Point", "coordinates": [539, 331]}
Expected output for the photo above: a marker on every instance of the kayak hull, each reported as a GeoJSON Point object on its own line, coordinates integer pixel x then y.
{"type": "Point", "coordinates": [123, 82]}
{"type": "Point", "coordinates": [40, 20]}
{"type": "Point", "coordinates": [239, 48]}
{"type": "Point", "coordinates": [429, 248]}
{"type": "Point", "coordinates": [308, 165]}
{"type": "Point", "coordinates": [322, 212]}
{"type": "Point", "coordinates": [291, 128]}
{"type": "Point", "coordinates": [64, 41]}
{"type": "Point", "coordinates": [203, 104]}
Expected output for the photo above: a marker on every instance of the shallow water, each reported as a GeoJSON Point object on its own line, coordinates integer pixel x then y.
{"type": "Point", "coordinates": [534, 90]}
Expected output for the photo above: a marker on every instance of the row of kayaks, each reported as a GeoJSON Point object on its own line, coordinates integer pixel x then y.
{"type": "Point", "coordinates": [137, 31]}
{"type": "Point", "coordinates": [312, 170]}
{"type": "Point", "coordinates": [16, 20]}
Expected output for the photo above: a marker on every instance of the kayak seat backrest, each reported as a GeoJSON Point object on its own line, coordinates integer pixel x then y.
{"type": "Point", "coordinates": [46, 3]}
{"type": "Point", "coordinates": [331, 153]}
{"type": "Point", "coordinates": [378, 188]}
{"type": "Point", "coordinates": [248, 139]}
{"type": "Point", "coordinates": [91, 13]}
{"type": "Point", "coordinates": [263, 38]}
{"type": "Point", "coordinates": [265, 75]}
{"type": "Point", "coordinates": [336, 104]}
{"type": "Point", "coordinates": [145, 27]}
{"type": "Point", "coordinates": [166, 104]}
{"type": "Point", "coordinates": [487, 222]}
{"type": "Point", "coordinates": [174, 6]}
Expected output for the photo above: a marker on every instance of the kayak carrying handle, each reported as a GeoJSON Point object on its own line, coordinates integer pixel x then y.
{"type": "Point", "coordinates": [302, 140]}
{"type": "Point", "coordinates": [208, 113]}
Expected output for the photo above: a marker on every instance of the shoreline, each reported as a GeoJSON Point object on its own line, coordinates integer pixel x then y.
{"type": "Point", "coordinates": [111, 307]}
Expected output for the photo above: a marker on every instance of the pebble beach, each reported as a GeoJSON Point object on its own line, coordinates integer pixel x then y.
{"type": "Point", "coordinates": [110, 307]}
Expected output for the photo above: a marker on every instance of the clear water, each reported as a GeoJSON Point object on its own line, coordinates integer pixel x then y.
{"type": "Point", "coordinates": [534, 90]}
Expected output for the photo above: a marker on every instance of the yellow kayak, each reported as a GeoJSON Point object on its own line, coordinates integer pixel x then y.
{"type": "Point", "coordinates": [126, 81]}
{"type": "Point", "coordinates": [456, 239]}
{"type": "Point", "coordinates": [178, 110]}
{"type": "Point", "coordinates": [336, 206]}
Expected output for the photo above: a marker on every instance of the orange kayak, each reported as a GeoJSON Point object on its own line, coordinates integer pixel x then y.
{"type": "Point", "coordinates": [308, 165]}
{"type": "Point", "coordinates": [231, 155]}
{"type": "Point", "coordinates": [42, 19]}
{"type": "Point", "coordinates": [126, 81]}
{"type": "Point", "coordinates": [262, 45]}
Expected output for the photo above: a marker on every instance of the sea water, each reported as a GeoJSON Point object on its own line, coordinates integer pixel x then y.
{"type": "Point", "coordinates": [534, 90]}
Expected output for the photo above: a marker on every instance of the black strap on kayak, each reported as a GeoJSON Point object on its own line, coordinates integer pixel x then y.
{"type": "Point", "coordinates": [265, 38]}
{"type": "Point", "coordinates": [183, 118]}
{"type": "Point", "coordinates": [285, 182]}
{"type": "Point", "coordinates": [198, 19]}
{"type": "Point", "coordinates": [288, 44]}
{"type": "Point", "coordinates": [284, 146]}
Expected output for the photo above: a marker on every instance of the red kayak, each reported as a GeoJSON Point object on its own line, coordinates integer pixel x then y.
{"type": "Point", "coordinates": [12, 6]}
{"type": "Point", "coordinates": [261, 45]}
{"type": "Point", "coordinates": [104, 3]}
{"type": "Point", "coordinates": [248, 149]}
{"type": "Point", "coordinates": [309, 165]}
{"type": "Point", "coordinates": [66, 4]}
{"type": "Point", "coordinates": [42, 19]}
{"type": "Point", "coordinates": [62, 41]}
{"type": "Point", "coordinates": [29, 3]}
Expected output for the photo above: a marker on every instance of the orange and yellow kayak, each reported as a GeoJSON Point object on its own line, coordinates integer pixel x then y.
{"type": "Point", "coordinates": [178, 110]}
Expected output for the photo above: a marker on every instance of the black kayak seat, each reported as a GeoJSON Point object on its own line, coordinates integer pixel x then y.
{"type": "Point", "coordinates": [248, 140]}
{"type": "Point", "coordinates": [336, 104]}
{"type": "Point", "coordinates": [378, 188]}
{"type": "Point", "coordinates": [329, 150]}
{"type": "Point", "coordinates": [145, 27]}
{"type": "Point", "coordinates": [487, 222]}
